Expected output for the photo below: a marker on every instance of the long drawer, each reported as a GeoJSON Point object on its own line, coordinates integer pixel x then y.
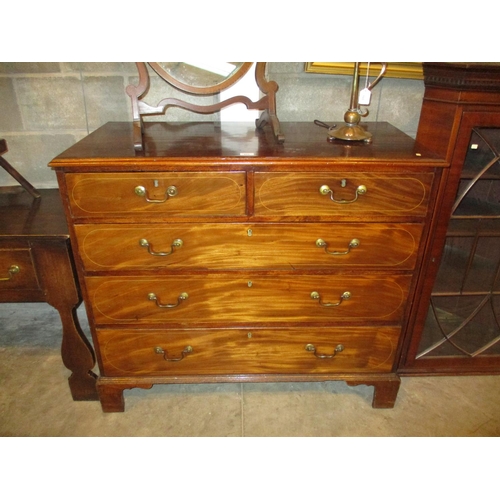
{"type": "Point", "coordinates": [175, 194]}
{"type": "Point", "coordinates": [218, 246]}
{"type": "Point", "coordinates": [341, 194]}
{"type": "Point", "coordinates": [219, 352]}
{"type": "Point", "coordinates": [211, 299]}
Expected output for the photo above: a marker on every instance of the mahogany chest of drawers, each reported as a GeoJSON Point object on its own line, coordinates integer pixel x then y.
{"type": "Point", "coordinates": [218, 255]}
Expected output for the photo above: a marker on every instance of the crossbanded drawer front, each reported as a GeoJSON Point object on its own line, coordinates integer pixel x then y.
{"type": "Point", "coordinates": [17, 270]}
{"type": "Point", "coordinates": [241, 351]}
{"type": "Point", "coordinates": [213, 299]}
{"type": "Point", "coordinates": [349, 194]}
{"type": "Point", "coordinates": [248, 246]}
{"type": "Point", "coordinates": [175, 194]}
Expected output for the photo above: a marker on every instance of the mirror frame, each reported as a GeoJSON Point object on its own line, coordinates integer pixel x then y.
{"type": "Point", "coordinates": [192, 89]}
{"type": "Point", "coordinates": [267, 103]}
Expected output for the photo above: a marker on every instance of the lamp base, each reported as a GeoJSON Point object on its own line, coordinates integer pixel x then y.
{"type": "Point", "coordinates": [350, 132]}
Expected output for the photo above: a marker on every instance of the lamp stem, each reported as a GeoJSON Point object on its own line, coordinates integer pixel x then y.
{"type": "Point", "coordinates": [355, 88]}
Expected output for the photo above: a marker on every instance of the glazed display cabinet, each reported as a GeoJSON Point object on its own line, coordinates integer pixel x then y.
{"type": "Point", "coordinates": [457, 317]}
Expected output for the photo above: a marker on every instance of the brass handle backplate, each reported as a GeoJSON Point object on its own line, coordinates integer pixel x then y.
{"type": "Point", "coordinates": [317, 296]}
{"type": "Point", "coordinates": [180, 298]}
{"type": "Point", "coordinates": [312, 348]}
{"type": "Point", "coordinates": [14, 269]}
{"type": "Point", "coordinates": [187, 350]}
{"type": "Point", "coordinates": [143, 193]}
{"type": "Point", "coordinates": [177, 243]}
{"type": "Point", "coordinates": [354, 243]}
{"type": "Point", "coordinates": [324, 190]}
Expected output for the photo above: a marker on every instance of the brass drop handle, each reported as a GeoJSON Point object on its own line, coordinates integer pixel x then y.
{"type": "Point", "coordinates": [354, 243]}
{"type": "Point", "coordinates": [324, 190]}
{"type": "Point", "coordinates": [177, 243]}
{"type": "Point", "coordinates": [312, 348]}
{"type": "Point", "coordinates": [317, 296]}
{"type": "Point", "coordinates": [143, 193]}
{"type": "Point", "coordinates": [187, 350]}
{"type": "Point", "coordinates": [180, 298]}
{"type": "Point", "coordinates": [14, 269]}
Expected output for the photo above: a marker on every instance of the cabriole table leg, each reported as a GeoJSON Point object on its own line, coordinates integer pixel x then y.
{"type": "Point", "coordinates": [57, 280]}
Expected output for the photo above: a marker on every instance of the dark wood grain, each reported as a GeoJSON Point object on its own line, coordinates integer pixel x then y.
{"type": "Point", "coordinates": [299, 194]}
{"type": "Point", "coordinates": [34, 236]}
{"type": "Point", "coordinates": [167, 143]}
{"type": "Point", "coordinates": [243, 246]}
{"type": "Point", "coordinates": [207, 193]}
{"type": "Point", "coordinates": [248, 298]}
{"type": "Point", "coordinates": [225, 352]}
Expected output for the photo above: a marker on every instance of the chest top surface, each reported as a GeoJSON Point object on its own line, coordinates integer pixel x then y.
{"type": "Point", "coordinates": [209, 143]}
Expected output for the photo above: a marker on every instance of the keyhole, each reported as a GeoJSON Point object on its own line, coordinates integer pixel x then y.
{"type": "Point", "coordinates": [343, 183]}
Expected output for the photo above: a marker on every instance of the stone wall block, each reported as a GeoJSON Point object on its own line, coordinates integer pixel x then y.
{"type": "Point", "coordinates": [106, 100]}
{"type": "Point", "coordinates": [51, 103]}
{"type": "Point", "coordinates": [10, 115]}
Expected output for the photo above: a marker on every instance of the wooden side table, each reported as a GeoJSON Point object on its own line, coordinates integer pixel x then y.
{"type": "Point", "coordinates": [36, 265]}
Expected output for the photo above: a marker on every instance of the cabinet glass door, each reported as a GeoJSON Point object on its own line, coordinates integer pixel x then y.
{"type": "Point", "coordinates": [464, 313]}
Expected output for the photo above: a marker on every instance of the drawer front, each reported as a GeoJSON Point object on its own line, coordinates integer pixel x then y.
{"type": "Point", "coordinates": [17, 270]}
{"type": "Point", "coordinates": [174, 194]}
{"type": "Point", "coordinates": [248, 246]}
{"type": "Point", "coordinates": [247, 351]}
{"type": "Point", "coordinates": [323, 194]}
{"type": "Point", "coordinates": [212, 299]}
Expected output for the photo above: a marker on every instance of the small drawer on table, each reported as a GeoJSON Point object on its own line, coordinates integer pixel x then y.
{"type": "Point", "coordinates": [247, 351]}
{"type": "Point", "coordinates": [174, 194]}
{"type": "Point", "coordinates": [342, 194]}
{"type": "Point", "coordinates": [219, 246]}
{"type": "Point", "coordinates": [17, 270]}
{"type": "Point", "coordinates": [212, 299]}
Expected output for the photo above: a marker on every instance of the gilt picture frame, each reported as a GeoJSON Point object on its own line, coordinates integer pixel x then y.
{"type": "Point", "coordinates": [410, 70]}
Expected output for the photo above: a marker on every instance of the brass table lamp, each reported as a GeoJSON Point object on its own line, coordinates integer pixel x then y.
{"type": "Point", "coordinates": [352, 131]}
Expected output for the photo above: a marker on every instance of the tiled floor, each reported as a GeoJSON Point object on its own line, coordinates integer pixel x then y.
{"type": "Point", "coordinates": [35, 399]}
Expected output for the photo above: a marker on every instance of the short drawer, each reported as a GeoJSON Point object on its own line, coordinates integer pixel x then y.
{"type": "Point", "coordinates": [17, 270]}
{"type": "Point", "coordinates": [247, 351]}
{"type": "Point", "coordinates": [248, 246]}
{"type": "Point", "coordinates": [174, 194]}
{"type": "Point", "coordinates": [342, 194]}
{"type": "Point", "coordinates": [211, 299]}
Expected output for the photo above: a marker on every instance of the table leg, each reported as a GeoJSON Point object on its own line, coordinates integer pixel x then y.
{"type": "Point", "coordinates": [57, 279]}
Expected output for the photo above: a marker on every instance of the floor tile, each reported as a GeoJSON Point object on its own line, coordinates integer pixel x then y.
{"type": "Point", "coordinates": [35, 399]}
